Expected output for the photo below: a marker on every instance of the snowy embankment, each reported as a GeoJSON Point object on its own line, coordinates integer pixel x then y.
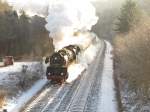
{"type": "Point", "coordinates": [108, 101]}
{"type": "Point", "coordinates": [4, 71]}
{"type": "Point", "coordinates": [11, 76]}
{"type": "Point", "coordinates": [26, 96]}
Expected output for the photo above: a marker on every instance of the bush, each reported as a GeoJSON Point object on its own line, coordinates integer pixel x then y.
{"type": "Point", "coordinates": [28, 78]}
{"type": "Point", "coordinates": [2, 97]}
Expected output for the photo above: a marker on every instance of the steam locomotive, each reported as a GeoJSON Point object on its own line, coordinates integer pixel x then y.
{"type": "Point", "coordinates": [59, 62]}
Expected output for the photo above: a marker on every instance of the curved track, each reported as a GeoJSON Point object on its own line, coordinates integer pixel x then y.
{"type": "Point", "coordinates": [79, 96]}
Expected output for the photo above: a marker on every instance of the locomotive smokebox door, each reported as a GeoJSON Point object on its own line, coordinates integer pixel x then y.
{"type": "Point", "coordinates": [58, 74]}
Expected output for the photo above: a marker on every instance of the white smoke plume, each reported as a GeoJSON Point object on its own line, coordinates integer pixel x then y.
{"type": "Point", "coordinates": [65, 19]}
{"type": "Point", "coordinates": [68, 16]}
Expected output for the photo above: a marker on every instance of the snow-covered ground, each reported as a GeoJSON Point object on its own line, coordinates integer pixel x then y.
{"type": "Point", "coordinates": [108, 102]}
{"type": "Point", "coordinates": [12, 76]}
{"type": "Point", "coordinates": [4, 71]}
{"type": "Point", "coordinates": [25, 97]}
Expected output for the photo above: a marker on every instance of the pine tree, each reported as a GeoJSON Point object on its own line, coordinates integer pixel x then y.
{"type": "Point", "coordinates": [129, 16]}
{"type": "Point", "coordinates": [24, 22]}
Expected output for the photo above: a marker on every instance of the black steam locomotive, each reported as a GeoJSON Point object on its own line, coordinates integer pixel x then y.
{"type": "Point", "coordinates": [59, 61]}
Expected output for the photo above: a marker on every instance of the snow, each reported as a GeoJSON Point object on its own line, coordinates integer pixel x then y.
{"type": "Point", "coordinates": [9, 76]}
{"type": "Point", "coordinates": [17, 67]}
{"type": "Point", "coordinates": [84, 59]}
{"type": "Point", "coordinates": [107, 102]}
{"type": "Point", "coordinates": [26, 96]}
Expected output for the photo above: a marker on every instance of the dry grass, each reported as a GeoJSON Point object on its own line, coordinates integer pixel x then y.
{"type": "Point", "coordinates": [2, 97]}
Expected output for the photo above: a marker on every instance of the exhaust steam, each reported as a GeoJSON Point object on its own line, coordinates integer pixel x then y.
{"type": "Point", "coordinates": [69, 22]}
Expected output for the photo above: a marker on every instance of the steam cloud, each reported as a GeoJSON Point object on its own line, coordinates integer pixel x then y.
{"type": "Point", "coordinates": [65, 19]}
{"type": "Point", "coordinates": [68, 16]}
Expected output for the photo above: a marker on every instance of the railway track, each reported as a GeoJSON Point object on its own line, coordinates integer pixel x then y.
{"type": "Point", "coordinates": [75, 97]}
{"type": "Point", "coordinates": [42, 98]}
{"type": "Point", "coordinates": [93, 96]}
{"type": "Point", "coordinates": [51, 97]}
{"type": "Point", "coordinates": [80, 101]}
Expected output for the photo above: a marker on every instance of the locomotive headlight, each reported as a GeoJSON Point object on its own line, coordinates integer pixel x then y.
{"type": "Point", "coordinates": [62, 74]}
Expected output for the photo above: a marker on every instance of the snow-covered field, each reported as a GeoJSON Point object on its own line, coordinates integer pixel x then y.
{"type": "Point", "coordinates": [14, 80]}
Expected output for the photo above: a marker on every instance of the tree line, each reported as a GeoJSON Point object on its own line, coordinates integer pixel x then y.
{"type": "Point", "coordinates": [132, 55]}
{"type": "Point", "coordinates": [21, 35]}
